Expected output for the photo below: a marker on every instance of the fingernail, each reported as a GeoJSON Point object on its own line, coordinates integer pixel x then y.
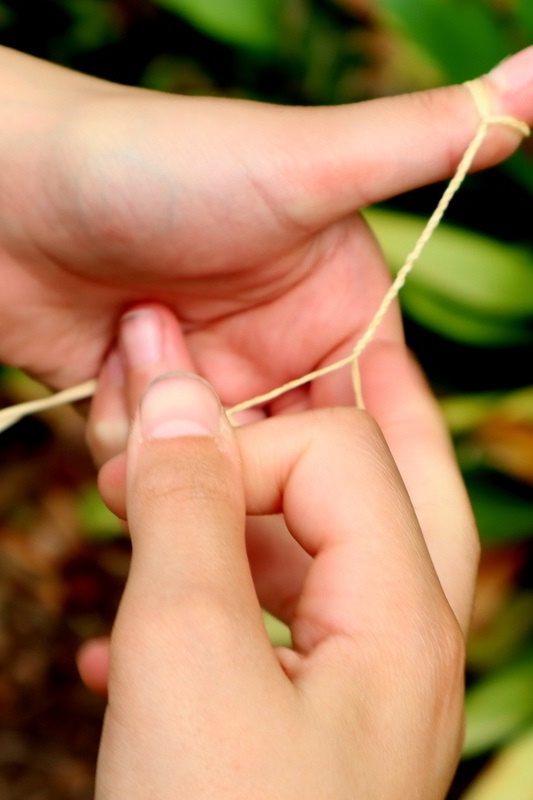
{"type": "Point", "coordinates": [514, 73]}
{"type": "Point", "coordinates": [179, 404]}
{"type": "Point", "coordinates": [141, 338]}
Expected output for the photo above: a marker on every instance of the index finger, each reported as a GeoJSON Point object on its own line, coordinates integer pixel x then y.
{"type": "Point", "coordinates": [344, 501]}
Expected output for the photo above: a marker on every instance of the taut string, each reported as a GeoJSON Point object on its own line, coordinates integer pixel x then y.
{"type": "Point", "coordinates": [9, 416]}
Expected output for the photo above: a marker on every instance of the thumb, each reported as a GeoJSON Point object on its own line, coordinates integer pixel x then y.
{"type": "Point", "coordinates": [189, 641]}
{"type": "Point", "coordinates": [185, 503]}
{"type": "Point", "coordinates": [380, 148]}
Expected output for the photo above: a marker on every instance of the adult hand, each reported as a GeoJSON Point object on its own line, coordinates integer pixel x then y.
{"type": "Point", "coordinates": [368, 702]}
{"type": "Point", "coordinates": [240, 216]}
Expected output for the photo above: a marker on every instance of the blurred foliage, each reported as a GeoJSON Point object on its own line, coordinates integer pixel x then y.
{"type": "Point", "coordinates": [238, 22]}
{"type": "Point", "coordinates": [469, 303]}
{"type": "Point", "coordinates": [465, 38]}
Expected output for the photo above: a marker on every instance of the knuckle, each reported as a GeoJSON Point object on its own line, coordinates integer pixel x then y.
{"type": "Point", "coordinates": [429, 648]}
{"type": "Point", "coordinates": [347, 421]}
{"type": "Point", "coordinates": [184, 480]}
{"type": "Point", "coordinates": [442, 657]}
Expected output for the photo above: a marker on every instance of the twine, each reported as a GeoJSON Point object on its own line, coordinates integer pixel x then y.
{"type": "Point", "coordinates": [481, 99]}
{"type": "Point", "coordinates": [12, 414]}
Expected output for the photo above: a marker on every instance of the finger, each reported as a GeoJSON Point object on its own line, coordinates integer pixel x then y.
{"type": "Point", "coordinates": [93, 664]}
{"type": "Point", "coordinates": [112, 484]}
{"type": "Point", "coordinates": [186, 517]}
{"type": "Point", "coordinates": [278, 565]}
{"type": "Point", "coordinates": [399, 397]}
{"type": "Point", "coordinates": [345, 503]}
{"type": "Point", "coordinates": [151, 343]}
{"type": "Point", "coordinates": [420, 139]}
{"type": "Point", "coordinates": [108, 420]}
{"type": "Point", "coordinates": [277, 562]}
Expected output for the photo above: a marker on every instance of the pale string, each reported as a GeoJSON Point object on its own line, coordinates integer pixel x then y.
{"type": "Point", "coordinates": [481, 99]}
{"type": "Point", "coordinates": [12, 414]}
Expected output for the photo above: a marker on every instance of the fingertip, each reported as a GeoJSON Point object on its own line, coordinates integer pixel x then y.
{"type": "Point", "coordinates": [93, 664]}
{"type": "Point", "coordinates": [512, 83]}
{"type": "Point", "coordinates": [112, 484]}
{"type": "Point", "coordinates": [422, 137]}
{"type": "Point", "coordinates": [108, 423]}
{"type": "Point", "coordinates": [151, 343]}
{"type": "Point", "coordinates": [181, 440]}
{"type": "Point", "coordinates": [180, 404]}
{"type": "Point", "coordinates": [141, 337]}
{"type": "Point", "coordinates": [185, 500]}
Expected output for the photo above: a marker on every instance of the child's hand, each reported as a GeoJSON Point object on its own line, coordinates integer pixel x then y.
{"type": "Point", "coordinates": [240, 216]}
{"type": "Point", "coordinates": [368, 703]}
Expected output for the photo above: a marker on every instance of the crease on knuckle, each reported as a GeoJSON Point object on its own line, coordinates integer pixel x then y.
{"type": "Point", "coordinates": [184, 483]}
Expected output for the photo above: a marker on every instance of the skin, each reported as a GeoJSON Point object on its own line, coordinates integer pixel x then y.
{"type": "Point", "coordinates": [241, 218]}
{"type": "Point", "coordinates": [376, 589]}
{"type": "Point", "coordinates": [278, 566]}
{"type": "Point", "coordinates": [369, 700]}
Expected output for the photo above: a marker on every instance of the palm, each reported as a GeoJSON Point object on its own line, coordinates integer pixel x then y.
{"type": "Point", "coordinates": [266, 282]}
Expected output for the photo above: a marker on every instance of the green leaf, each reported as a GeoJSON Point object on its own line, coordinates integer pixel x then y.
{"type": "Point", "coordinates": [6, 16]}
{"type": "Point", "coordinates": [465, 412]}
{"type": "Point", "coordinates": [524, 15]}
{"type": "Point", "coordinates": [509, 776]}
{"type": "Point", "coordinates": [465, 286]}
{"type": "Point", "coordinates": [510, 628]}
{"type": "Point", "coordinates": [473, 271]}
{"type": "Point", "coordinates": [452, 322]}
{"type": "Point", "coordinates": [278, 633]}
{"type": "Point", "coordinates": [97, 522]}
{"type": "Point", "coordinates": [503, 514]}
{"type": "Point", "coordinates": [246, 23]}
{"type": "Point", "coordinates": [499, 706]}
{"type": "Point", "coordinates": [95, 23]}
{"type": "Point", "coordinates": [463, 36]}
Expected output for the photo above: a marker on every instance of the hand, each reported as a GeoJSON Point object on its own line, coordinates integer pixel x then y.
{"type": "Point", "coordinates": [278, 565]}
{"type": "Point", "coordinates": [368, 703]}
{"type": "Point", "coordinates": [240, 216]}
